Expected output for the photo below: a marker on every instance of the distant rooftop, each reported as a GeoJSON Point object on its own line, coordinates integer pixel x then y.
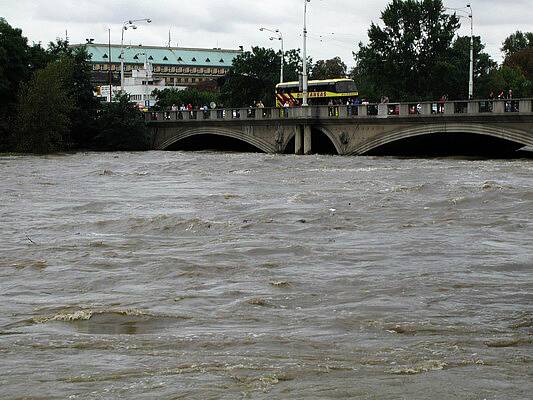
{"type": "Point", "coordinates": [162, 55]}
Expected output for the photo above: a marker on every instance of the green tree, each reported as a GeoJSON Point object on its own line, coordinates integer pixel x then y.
{"type": "Point", "coordinates": [516, 73]}
{"type": "Point", "coordinates": [86, 105]}
{"type": "Point", "coordinates": [456, 69]}
{"type": "Point", "coordinates": [404, 59]}
{"type": "Point", "coordinates": [121, 127]}
{"type": "Point", "coordinates": [79, 85]}
{"type": "Point", "coordinates": [293, 65]}
{"type": "Point", "coordinates": [328, 69]}
{"type": "Point", "coordinates": [516, 42]}
{"type": "Point", "coordinates": [505, 78]}
{"type": "Point", "coordinates": [252, 77]}
{"type": "Point", "coordinates": [168, 97]}
{"type": "Point", "coordinates": [522, 60]}
{"type": "Point", "coordinates": [14, 62]}
{"type": "Point", "coordinates": [518, 51]}
{"type": "Point", "coordinates": [367, 88]}
{"type": "Point", "coordinates": [43, 121]}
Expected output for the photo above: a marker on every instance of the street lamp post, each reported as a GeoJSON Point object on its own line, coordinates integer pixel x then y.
{"type": "Point", "coordinates": [127, 24]}
{"type": "Point", "coordinates": [470, 15]}
{"type": "Point", "coordinates": [304, 58]}
{"type": "Point", "coordinates": [279, 36]}
{"type": "Point", "coordinates": [471, 80]}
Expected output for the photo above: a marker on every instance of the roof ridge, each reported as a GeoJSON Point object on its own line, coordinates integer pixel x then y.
{"type": "Point", "coordinates": [106, 45]}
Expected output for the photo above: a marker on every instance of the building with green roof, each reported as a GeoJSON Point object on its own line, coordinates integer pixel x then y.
{"type": "Point", "coordinates": [177, 66]}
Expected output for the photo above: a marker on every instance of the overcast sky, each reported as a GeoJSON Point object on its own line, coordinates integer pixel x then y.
{"type": "Point", "coordinates": [335, 26]}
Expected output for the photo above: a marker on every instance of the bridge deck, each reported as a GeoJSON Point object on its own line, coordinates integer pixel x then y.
{"type": "Point", "coordinates": [413, 111]}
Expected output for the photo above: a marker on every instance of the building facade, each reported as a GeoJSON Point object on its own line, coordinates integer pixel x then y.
{"type": "Point", "coordinates": [140, 87]}
{"type": "Point", "coordinates": [176, 66]}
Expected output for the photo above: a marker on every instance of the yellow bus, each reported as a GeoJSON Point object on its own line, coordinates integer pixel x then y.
{"type": "Point", "coordinates": [319, 92]}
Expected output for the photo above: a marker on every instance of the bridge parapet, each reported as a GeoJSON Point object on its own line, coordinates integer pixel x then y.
{"type": "Point", "coordinates": [413, 110]}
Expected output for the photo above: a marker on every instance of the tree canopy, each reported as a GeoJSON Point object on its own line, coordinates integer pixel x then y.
{"type": "Point", "coordinates": [168, 97]}
{"type": "Point", "coordinates": [121, 127]}
{"type": "Point", "coordinates": [328, 69]}
{"type": "Point", "coordinates": [517, 42]}
{"type": "Point", "coordinates": [405, 58]}
{"type": "Point", "coordinates": [43, 123]}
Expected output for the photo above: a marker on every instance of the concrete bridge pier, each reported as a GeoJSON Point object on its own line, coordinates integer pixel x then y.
{"type": "Point", "coordinates": [307, 139]}
{"type": "Point", "coordinates": [298, 140]}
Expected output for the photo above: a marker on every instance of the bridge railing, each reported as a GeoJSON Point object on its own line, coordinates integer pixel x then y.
{"type": "Point", "coordinates": [386, 110]}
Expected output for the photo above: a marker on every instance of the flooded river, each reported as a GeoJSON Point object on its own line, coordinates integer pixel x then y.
{"type": "Point", "coordinates": [250, 276]}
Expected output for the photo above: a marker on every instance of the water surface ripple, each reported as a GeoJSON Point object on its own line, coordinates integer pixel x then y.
{"type": "Point", "coordinates": [225, 276]}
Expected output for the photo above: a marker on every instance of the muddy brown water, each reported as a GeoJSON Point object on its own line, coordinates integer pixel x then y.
{"type": "Point", "coordinates": [225, 276]}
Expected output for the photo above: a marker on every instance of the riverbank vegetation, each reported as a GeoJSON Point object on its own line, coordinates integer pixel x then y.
{"type": "Point", "coordinates": [413, 54]}
{"type": "Point", "coordinates": [49, 103]}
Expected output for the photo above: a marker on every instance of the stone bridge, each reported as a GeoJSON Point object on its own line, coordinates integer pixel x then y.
{"type": "Point", "coordinates": [348, 130]}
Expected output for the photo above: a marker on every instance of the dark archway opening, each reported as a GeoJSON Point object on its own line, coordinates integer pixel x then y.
{"type": "Point", "coordinates": [452, 145]}
{"type": "Point", "coordinates": [289, 149]}
{"type": "Point", "coordinates": [321, 143]}
{"type": "Point", "coordinates": [209, 142]}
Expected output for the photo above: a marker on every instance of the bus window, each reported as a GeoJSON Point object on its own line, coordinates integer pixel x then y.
{"type": "Point", "coordinates": [346, 87]}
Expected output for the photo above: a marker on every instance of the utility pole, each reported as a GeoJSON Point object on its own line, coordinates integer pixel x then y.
{"type": "Point", "coordinates": [471, 76]}
{"type": "Point", "coordinates": [110, 74]}
{"type": "Point", "coordinates": [304, 58]}
{"type": "Point", "coordinates": [470, 15]}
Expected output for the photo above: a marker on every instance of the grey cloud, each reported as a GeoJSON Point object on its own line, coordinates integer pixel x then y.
{"type": "Point", "coordinates": [229, 23]}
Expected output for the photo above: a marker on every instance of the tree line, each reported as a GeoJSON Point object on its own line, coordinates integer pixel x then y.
{"type": "Point", "coordinates": [49, 103]}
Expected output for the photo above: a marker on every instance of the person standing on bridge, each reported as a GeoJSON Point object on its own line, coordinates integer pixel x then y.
{"type": "Point", "coordinates": [509, 104]}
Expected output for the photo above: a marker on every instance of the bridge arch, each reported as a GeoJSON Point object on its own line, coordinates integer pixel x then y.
{"type": "Point", "coordinates": [509, 134]}
{"type": "Point", "coordinates": [315, 129]}
{"type": "Point", "coordinates": [180, 135]}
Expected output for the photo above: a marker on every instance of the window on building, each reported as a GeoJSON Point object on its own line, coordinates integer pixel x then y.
{"type": "Point", "coordinates": [180, 59]}
{"type": "Point", "coordinates": [105, 55]}
{"type": "Point", "coordinates": [165, 58]}
{"type": "Point", "coordinates": [193, 59]}
{"type": "Point", "coordinates": [207, 60]}
{"type": "Point", "coordinates": [221, 60]}
{"type": "Point", "coordinates": [136, 57]}
{"type": "Point", "coordinates": [150, 58]}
